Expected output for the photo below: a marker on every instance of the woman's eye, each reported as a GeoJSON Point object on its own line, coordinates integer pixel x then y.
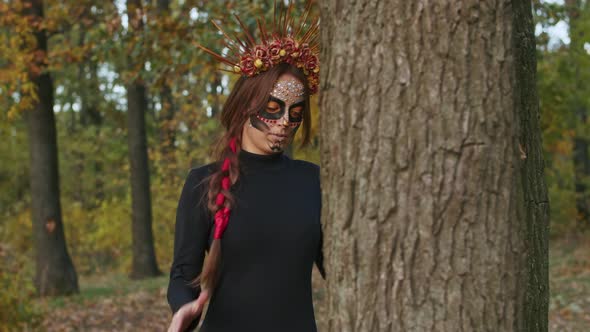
{"type": "Point", "coordinates": [296, 113]}
{"type": "Point", "coordinates": [272, 107]}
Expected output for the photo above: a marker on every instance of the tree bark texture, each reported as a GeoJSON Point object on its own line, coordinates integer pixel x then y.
{"type": "Point", "coordinates": [54, 273]}
{"type": "Point", "coordinates": [144, 257]}
{"type": "Point", "coordinates": [435, 208]}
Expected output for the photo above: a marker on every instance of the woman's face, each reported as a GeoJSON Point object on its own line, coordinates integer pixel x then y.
{"type": "Point", "coordinates": [272, 129]}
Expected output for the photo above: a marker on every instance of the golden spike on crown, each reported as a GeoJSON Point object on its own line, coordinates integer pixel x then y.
{"type": "Point", "coordinates": [296, 44]}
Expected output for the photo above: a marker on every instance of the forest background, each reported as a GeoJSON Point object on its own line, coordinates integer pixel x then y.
{"type": "Point", "coordinates": [109, 57]}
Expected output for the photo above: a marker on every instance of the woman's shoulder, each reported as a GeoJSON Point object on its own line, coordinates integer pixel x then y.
{"type": "Point", "coordinates": [197, 174]}
{"type": "Point", "coordinates": [307, 174]}
{"type": "Point", "coordinates": [202, 171]}
{"type": "Point", "coordinates": [306, 166]}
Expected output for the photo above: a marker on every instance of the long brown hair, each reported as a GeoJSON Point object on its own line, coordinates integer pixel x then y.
{"type": "Point", "coordinates": [253, 91]}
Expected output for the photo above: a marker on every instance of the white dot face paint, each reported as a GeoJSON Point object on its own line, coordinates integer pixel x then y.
{"type": "Point", "coordinates": [289, 90]}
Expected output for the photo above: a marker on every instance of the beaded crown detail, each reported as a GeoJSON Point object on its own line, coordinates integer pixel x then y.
{"type": "Point", "coordinates": [296, 44]}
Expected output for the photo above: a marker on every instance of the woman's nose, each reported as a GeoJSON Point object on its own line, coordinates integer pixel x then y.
{"type": "Point", "coordinates": [285, 119]}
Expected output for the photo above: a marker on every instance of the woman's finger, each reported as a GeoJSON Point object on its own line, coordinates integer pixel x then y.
{"type": "Point", "coordinates": [188, 312]}
{"type": "Point", "coordinates": [200, 302]}
{"type": "Point", "coordinates": [173, 325]}
{"type": "Point", "coordinates": [180, 320]}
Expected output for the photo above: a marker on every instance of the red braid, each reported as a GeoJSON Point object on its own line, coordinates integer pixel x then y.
{"type": "Point", "coordinates": [210, 273]}
{"type": "Point", "coordinates": [222, 215]}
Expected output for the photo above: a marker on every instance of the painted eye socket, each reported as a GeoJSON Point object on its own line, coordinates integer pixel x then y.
{"type": "Point", "coordinates": [296, 113]}
{"type": "Point", "coordinates": [273, 107]}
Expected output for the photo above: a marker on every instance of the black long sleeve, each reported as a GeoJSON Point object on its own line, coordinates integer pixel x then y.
{"type": "Point", "coordinates": [319, 260]}
{"type": "Point", "coordinates": [191, 238]}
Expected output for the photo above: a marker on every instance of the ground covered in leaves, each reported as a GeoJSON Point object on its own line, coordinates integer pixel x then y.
{"type": "Point", "coordinates": [109, 303]}
{"type": "Point", "coordinates": [569, 283]}
{"type": "Point", "coordinates": [115, 303]}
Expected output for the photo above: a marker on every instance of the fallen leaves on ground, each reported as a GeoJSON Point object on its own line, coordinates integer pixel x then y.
{"type": "Point", "coordinates": [569, 284]}
{"type": "Point", "coordinates": [139, 311]}
{"type": "Point", "coordinates": [145, 309]}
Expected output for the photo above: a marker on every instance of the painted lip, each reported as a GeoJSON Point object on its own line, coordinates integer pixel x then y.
{"type": "Point", "coordinates": [279, 135]}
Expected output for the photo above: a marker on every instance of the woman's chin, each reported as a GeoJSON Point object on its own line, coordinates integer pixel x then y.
{"type": "Point", "coordinates": [276, 147]}
{"type": "Point", "coordinates": [273, 143]}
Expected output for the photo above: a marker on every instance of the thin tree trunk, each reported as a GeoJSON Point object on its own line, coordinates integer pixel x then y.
{"type": "Point", "coordinates": [167, 127]}
{"type": "Point", "coordinates": [435, 209]}
{"type": "Point", "coordinates": [217, 104]}
{"type": "Point", "coordinates": [144, 258]}
{"type": "Point", "coordinates": [166, 121]}
{"type": "Point", "coordinates": [54, 274]}
{"type": "Point", "coordinates": [78, 159]}
{"type": "Point", "coordinates": [91, 116]}
{"type": "Point", "coordinates": [581, 154]}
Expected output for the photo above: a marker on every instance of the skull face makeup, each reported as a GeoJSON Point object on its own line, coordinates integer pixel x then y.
{"type": "Point", "coordinates": [275, 125]}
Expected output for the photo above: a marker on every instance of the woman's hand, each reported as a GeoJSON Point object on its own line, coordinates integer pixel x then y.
{"type": "Point", "coordinates": [188, 312]}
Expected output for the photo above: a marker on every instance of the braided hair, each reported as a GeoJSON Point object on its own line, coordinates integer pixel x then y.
{"type": "Point", "coordinates": [253, 91]}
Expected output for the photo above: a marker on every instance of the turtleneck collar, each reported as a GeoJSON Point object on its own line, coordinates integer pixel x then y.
{"type": "Point", "coordinates": [253, 162]}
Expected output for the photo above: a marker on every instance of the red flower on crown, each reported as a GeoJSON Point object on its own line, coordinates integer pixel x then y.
{"type": "Point", "coordinates": [247, 65]}
{"type": "Point", "coordinates": [276, 51]}
{"type": "Point", "coordinates": [312, 64]}
{"type": "Point", "coordinates": [262, 59]}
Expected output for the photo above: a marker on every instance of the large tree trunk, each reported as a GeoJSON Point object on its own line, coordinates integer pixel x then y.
{"type": "Point", "coordinates": [55, 274]}
{"type": "Point", "coordinates": [144, 258]}
{"type": "Point", "coordinates": [435, 208]}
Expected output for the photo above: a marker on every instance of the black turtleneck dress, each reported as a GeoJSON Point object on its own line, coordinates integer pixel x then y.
{"type": "Point", "coordinates": [272, 240]}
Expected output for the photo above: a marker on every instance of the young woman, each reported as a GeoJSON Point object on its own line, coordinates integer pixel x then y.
{"type": "Point", "coordinates": [257, 275]}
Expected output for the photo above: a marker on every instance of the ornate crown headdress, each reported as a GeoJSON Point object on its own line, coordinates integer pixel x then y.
{"type": "Point", "coordinates": [296, 44]}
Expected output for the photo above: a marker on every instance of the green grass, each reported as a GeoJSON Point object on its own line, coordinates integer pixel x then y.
{"type": "Point", "coordinates": [93, 288]}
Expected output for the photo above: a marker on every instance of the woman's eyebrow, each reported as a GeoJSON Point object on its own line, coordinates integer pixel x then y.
{"type": "Point", "coordinates": [277, 100]}
{"type": "Point", "coordinates": [301, 103]}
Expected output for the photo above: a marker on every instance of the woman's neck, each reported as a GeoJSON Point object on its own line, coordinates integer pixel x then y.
{"type": "Point", "coordinates": [252, 161]}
